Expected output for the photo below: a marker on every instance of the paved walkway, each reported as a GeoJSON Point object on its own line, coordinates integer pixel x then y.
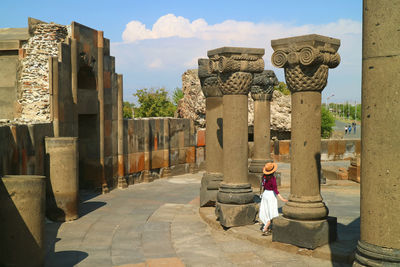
{"type": "Point", "coordinates": [158, 224]}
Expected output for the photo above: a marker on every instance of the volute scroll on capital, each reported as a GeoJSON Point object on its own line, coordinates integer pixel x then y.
{"type": "Point", "coordinates": [208, 81]}
{"type": "Point", "coordinates": [306, 60]}
{"type": "Point", "coordinates": [263, 84]}
{"type": "Point", "coordinates": [234, 67]}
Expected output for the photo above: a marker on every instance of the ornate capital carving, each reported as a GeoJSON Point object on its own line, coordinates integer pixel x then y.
{"type": "Point", "coordinates": [263, 85]}
{"type": "Point", "coordinates": [208, 81]}
{"type": "Point", "coordinates": [306, 60]}
{"type": "Point", "coordinates": [234, 67]}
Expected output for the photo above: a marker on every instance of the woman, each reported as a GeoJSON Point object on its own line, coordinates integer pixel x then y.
{"type": "Point", "coordinates": [269, 203]}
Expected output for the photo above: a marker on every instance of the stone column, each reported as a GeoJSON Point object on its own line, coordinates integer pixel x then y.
{"type": "Point", "coordinates": [63, 190]}
{"type": "Point", "coordinates": [121, 172]}
{"type": "Point", "coordinates": [22, 213]}
{"type": "Point", "coordinates": [234, 67]}
{"type": "Point", "coordinates": [379, 243]}
{"type": "Point", "coordinates": [214, 144]}
{"type": "Point", "coordinates": [306, 60]}
{"type": "Point", "coordinates": [100, 89]}
{"type": "Point", "coordinates": [261, 92]}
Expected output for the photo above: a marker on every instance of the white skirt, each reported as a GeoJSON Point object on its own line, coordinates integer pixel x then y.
{"type": "Point", "coordinates": [268, 207]}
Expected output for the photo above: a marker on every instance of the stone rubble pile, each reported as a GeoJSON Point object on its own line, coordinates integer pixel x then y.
{"type": "Point", "coordinates": [33, 82]}
{"type": "Point", "coordinates": [193, 105]}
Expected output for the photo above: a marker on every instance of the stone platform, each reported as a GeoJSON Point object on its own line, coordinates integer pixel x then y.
{"type": "Point", "coordinates": [151, 224]}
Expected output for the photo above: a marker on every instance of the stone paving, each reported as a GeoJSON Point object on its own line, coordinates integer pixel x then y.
{"type": "Point", "coordinates": [158, 224]}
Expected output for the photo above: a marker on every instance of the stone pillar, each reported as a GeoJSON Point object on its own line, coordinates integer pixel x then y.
{"type": "Point", "coordinates": [146, 174]}
{"type": "Point", "coordinates": [100, 89]}
{"type": "Point", "coordinates": [261, 92]}
{"type": "Point", "coordinates": [234, 67]}
{"type": "Point", "coordinates": [63, 190]}
{"type": "Point", "coordinates": [53, 69]}
{"type": "Point", "coordinates": [121, 172]}
{"type": "Point", "coordinates": [379, 243]}
{"type": "Point", "coordinates": [22, 213]}
{"type": "Point", "coordinates": [166, 170]}
{"type": "Point", "coordinates": [214, 144]}
{"type": "Point", "coordinates": [306, 60]}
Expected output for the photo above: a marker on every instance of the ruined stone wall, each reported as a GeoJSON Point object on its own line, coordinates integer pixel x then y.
{"type": "Point", "coordinates": [193, 105]}
{"type": "Point", "coordinates": [33, 83]}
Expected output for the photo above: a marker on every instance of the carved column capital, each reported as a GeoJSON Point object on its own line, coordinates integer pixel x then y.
{"type": "Point", "coordinates": [306, 60]}
{"type": "Point", "coordinates": [263, 84]}
{"type": "Point", "coordinates": [234, 67]}
{"type": "Point", "coordinates": [208, 81]}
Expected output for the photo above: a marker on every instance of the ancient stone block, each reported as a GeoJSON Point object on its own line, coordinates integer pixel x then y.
{"type": "Point", "coordinates": [306, 234]}
{"type": "Point", "coordinates": [201, 138]}
{"type": "Point", "coordinates": [230, 215]}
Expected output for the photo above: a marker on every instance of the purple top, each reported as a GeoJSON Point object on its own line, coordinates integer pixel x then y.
{"type": "Point", "coordinates": [270, 184]}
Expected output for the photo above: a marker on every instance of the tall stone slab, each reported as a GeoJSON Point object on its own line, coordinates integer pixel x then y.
{"type": "Point", "coordinates": [261, 91]}
{"type": "Point", "coordinates": [235, 67]}
{"type": "Point", "coordinates": [306, 61]}
{"type": "Point", "coordinates": [379, 243]}
{"type": "Point", "coordinates": [214, 139]}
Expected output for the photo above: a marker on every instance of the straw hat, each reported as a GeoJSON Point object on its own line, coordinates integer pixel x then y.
{"type": "Point", "coordinates": [270, 168]}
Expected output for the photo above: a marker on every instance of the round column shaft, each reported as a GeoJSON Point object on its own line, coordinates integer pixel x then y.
{"type": "Point", "coordinates": [379, 243]}
{"type": "Point", "coordinates": [214, 151]}
{"type": "Point", "coordinates": [262, 131]}
{"type": "Point", "coordinates": [22, 213]}
{"type": "Point", "coordinates": [235, 139]}
{"type": "Point", "coordinates": [63, 189]}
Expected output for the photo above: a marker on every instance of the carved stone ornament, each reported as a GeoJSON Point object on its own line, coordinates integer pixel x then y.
{"type": "Point", "coordinates": [306, 60]}
{"type": "Point", "coordinates": [234, 67]}
{"type": "Point", "coordinates": [208, 81]}
{"type": "Point", "coordinates": [263, 85]}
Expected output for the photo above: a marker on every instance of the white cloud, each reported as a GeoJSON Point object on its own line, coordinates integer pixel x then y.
{"type": "Point", "coordinates": [174, 43]}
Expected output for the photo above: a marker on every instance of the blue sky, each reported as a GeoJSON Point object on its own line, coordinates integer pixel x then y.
{"type": "Point", "coordinates": [154, 42]}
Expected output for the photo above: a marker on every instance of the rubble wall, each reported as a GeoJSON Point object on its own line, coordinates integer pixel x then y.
{"type": "Point", "coordinates": [193, 106]}
{"type": "Point", "coordinates": [33, 82]}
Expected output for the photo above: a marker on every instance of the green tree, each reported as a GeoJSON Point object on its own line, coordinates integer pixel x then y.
{"type": "Point", "coordinates": [177, 95]}
{"type": "Point", "coordinates": [127, 110]}
{"type": "Point", "coordinates": [282, 87]}
{"type": "Point", "coordinates": [153, 103]}
{"type": "Point", "coordinates": [327, 122]}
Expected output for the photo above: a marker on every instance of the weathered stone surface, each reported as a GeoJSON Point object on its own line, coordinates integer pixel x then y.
{"type": "Point", "coordinates": [63, 189]}
{"type": "Point", "coordinates": [33, 81]}
{"type": "Point", "coordinates": [209, 189]}
{"type": "Point", "coordinates": [22, 213]}
{"type": "Point", "coordinates": [372, 255]}
{"type": "Point", "coordinates": [193, 105]}
{"type": "Point", "coordinates": [230, 215]}
{"type": "Point", "coordinates": [235, 193]}
{"type": "Point", "coordinates": [307, 234]}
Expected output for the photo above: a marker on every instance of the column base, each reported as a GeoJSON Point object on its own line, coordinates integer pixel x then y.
{"type": "Point", "coordinates": [122, 184]}
{"type": "Point", "coordinates": [165, 172]}
{"type": "Point", "coordinates": [257, 165]}
{"type": "Point", "coordinates": [306, 234]}
{"type": "Point", "coordinates": [146, 176]}
{"type": "Point", "coordinates": [230, 215]}
{"type": "Point", "coordinates": [209, 189]}
{"type": "Point", "coordinates": [372, 255]}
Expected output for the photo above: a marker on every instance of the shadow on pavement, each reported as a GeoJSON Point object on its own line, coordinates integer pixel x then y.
{"type": "Point", "coordinates": [344, 247]}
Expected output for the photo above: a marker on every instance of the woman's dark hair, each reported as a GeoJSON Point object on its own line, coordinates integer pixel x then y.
{"type": "Point", "coordinates": [268, 176]}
